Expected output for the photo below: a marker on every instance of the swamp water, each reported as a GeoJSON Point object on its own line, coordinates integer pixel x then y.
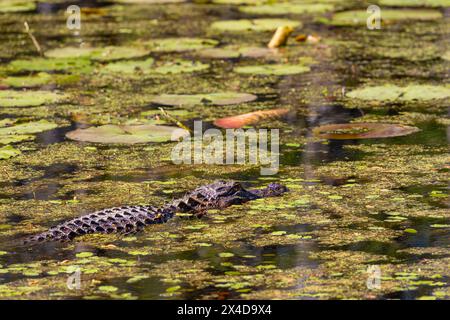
{"type": "Point", "coordinates": [354, 206]}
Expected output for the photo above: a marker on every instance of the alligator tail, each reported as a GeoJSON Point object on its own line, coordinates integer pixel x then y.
{"type": "Point", "coordinates": [125, 220]}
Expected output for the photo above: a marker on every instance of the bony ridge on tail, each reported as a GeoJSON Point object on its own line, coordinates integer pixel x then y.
{"type": "Point", "coordinates": [130, 219]}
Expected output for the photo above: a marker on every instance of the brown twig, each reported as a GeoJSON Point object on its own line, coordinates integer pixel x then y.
{"type": "Point", "coordinates": [171, 118]}
{"type": "Point", "coordinates": [36, 44]}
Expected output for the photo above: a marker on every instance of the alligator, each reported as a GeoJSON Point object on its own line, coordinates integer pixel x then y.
{"type": "Point", "coordinates": [131, 219]}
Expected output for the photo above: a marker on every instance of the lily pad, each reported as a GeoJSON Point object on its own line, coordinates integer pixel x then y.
{"type": "Point", "coordinates": [69, 52]}
{"type": "Point", "coordinates": [129, 67]}
{"type": "Point", "coordinates": [359, 17]}
{"type": "Point", "coordinates": [287, 8]}
{"type": "Point", "coordinates": [37, 80]}
{"type": "Point", "coordinates": [352, 131]}
{"type": "Point", "coordinates": [127, 134]}
{"type": "Point", "coordinates": [253, 25]}
{"type": "Point", "coordinates": [446, 56]}
{"type": "Point", "coordinates": [273, 69]}
{"type": "Point", "coordinates": [180, 66]}
{"type": "Point", "coordinates": [118, 53]}
{"type": "Point", "coordinates": [7, 152]}
{"type": "Point", "coordinates": [7, 139]}
{"type": "Point", "coordinates": [220, 99]}
{"type": "Point", "coordinates": [237, 2]}
{"type": "Point", "coordinates": [396, 93]}
{"type": "Point", "coordinates": [414, 3]}
{"type": "Point", "coordinates": [179, 44]}
{"type": "Point", "coordinates": [54, 64]}
{"type": "Point", "coordinates": [10, 6]}
{"type": "Point", "coordinates": [28, 127]}
{"type": "Point", "coordinates": [233, 52]}
{"type": "Point", "coordinates": [149, 1]}
{"type": "Point", "coordinates": [11, 98]}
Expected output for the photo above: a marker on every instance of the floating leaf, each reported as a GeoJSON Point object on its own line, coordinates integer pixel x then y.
{"type": "Point", "coordinates": [231, 52]}
{"type": "Point", "coordinates": [179, 44]}
{"type": "Point", "coordinates": [287, 8]}
{"type": "Point", "coordinates": [226, 254]}
{"type": "Point", "coordinates": [409, 230]}
{"type": "Point", "coordinates": [10, 6]}
{"type": "Point", "coordinates": [220, 99]}
{"type": "Point", "coordinates": [20, 132]}
{"type": "Point", "coordinates": [7, 152]}
{"type": "Point", "coordinates": [118, 53]}
{"type": "Point", "coordinates": [173, 289]}
{"type": "Point", "coordinates": [396, 93]}
{"type": "Point", "coordinates": [108, 288]}
{"type": "Point", "coordinates": [246, 119]}
{"type": "Point", "coordinates": [414, 3]}
{"type": "Point", "coordinates": [180, 66]}
{"type": "Point", "coordinates": [129, 67]}
{"type": "Point", "coordinates": [362, 131]}
{"type": "Point", "coordinates": [69, 52]}
{"type": "Point", "coordinates": [42, 64]}
{"type": "Point", "coordinates": [127, 134]}
{"type": "Point", "coordinates": [278, 233]}
{"type": "Point", "coordinates": [249, 2]}
{"type": "Point", "coordinates": [15, 138]}
{"type": "Point", "coordinates": [11, 98]}
{"type": "Point", "coordinates": [149, 1]}
{"type": "Point", "coordinates": [273, 69]}
{"type": "Point", "coordinates": [253, 25]}
{"type": "Point", "coordinates": [359, 17]}
{"type": "Point", "coordinates": [84, 254]}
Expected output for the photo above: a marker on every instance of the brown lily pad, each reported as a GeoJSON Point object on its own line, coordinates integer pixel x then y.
{"type": "Point", "coordinates": [350, 131]}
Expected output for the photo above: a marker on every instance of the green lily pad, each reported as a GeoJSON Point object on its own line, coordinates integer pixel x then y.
{"type": "Point", "coordinates": [129, 67]}
{"type": "Point", "coordinates": [69, 52]}
{"type": "Point", "coordinates": [253, 25]}
{"type": "Point", "coordinates": [10, 6]}
{"type": "Point", "coordinates": [220, 99]}
{"type": "Point", "coordinates": [359, 17]}
{"type": "Point", "coordinates": [15, 138]}
{"type": "Point", "coordinates": [28, 128]}
{"type": "Point", "coordinates": [237, 2]}
{"type": "Point", "coordinates": [396, 93]}
{"type": "Point", "coordinates": [37, 80]}
{"type": "Point", "coordinates": [7, 152]}
{"type": "Point", "coordinates": [415, 3]}
{"type": "Point", "coordinates": [117, 53]}
{"type": "Point", "coordinates": [125, 134]}
{"type": "Point", "coordinates": [273, 69]}
{"type": "Point", "coordinates": [233, 52]}
{"type": "Point", "coordinates": [108, 289]}
{"type": "Point", "coordinates": [21, 132]}
{"type": "Point", "coordinates": [179, 44]}
{"type": "Point", "coordinates": [149, 1]}
{"type": "Point", "coordinates": [446, 56]}
{"type": "Point", "coordinates": [11, 98]}
{"type": "Point", "coordinates": [85, 254]}
{"type": "Point", "coordinates": [362, 131]}
{"type": "Point", "coordinates": [287, 8]}
{"type": "Point", "coordinates": [54, 64]}
{"type": "Point", "coordinates": [180, 66]}
{"type": "Point", "coordinates": [109, 53]}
